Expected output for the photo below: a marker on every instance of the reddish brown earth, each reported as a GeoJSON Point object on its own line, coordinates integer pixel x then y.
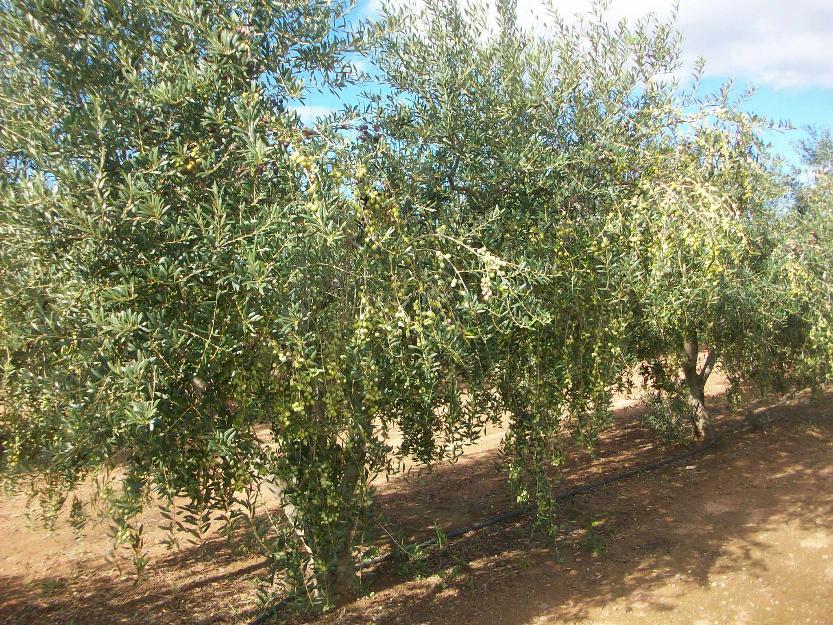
{"type": "Point", "coordinates": [742, 534]}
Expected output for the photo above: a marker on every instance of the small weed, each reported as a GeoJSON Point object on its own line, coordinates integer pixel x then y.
{"type": "Point", "coordinates": [523, 561]}
{"type": "Point", "coordinates": [414, 564]}
{"type": "Point", "coordinates": [593, 538]}
{"type": "Point", "coordinates": [453, 572]}
{"type": "Point", "coordinates": [442, 539]}
{"type": "Point", "coordinates": [448, 575]}
{"type": "Point", "coordinates": [53, 585]}
{"type": "Point", "coordinates": [593, 543]}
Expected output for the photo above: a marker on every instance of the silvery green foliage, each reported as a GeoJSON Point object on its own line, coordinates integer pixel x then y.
{"type": "Point", "coordinates": [206, 295]}
{"type": "Point", "coordinates": [538, 143]}
{"type": "Point", "coordinates": [808, 247]}
{"type": "Point", "coordinates": [710, 275]}
{"type": "Point", "coordinates": [218, 302]}
{"type": "Point", "coordinates": [649, 214]}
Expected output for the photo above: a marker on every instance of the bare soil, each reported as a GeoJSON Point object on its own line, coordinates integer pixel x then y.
{"type": "Point", "coordinates": [742, 534]}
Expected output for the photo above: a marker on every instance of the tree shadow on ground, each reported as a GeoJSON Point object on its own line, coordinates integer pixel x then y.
{"type": "Point", "coordinates": [686, 522]}
{"type": "Point", "coordinates": [692, 523]}
{"type": "Point", "coordinates": [209, 584]}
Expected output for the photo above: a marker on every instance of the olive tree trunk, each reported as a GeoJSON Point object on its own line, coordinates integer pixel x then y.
{"type": "Point", "coordinates": [339, 581]}
{"type": "Point", "coordinates": [342, 578]}
{"type": "Point", "coordinates": [696, 381]}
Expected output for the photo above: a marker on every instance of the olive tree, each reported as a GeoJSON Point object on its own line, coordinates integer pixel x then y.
{"type": "Point", "coordinates": [206, 300]}
{"type": "Point", "coordinates": [650, 213]}
{"type": "Point", "coordinates": [705, 231]}
{"type": "Point", "coordinates": [537, 143]}
{"type": "Point", "coordinates": [808, 248]}
{"type": "Point", "coordinates": [203, 299]}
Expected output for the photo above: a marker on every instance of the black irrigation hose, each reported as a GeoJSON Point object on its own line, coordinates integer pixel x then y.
{"type": "Point", "coordinates": [562, 496]}
{"type": "Point", "coordinates": [519, 512]}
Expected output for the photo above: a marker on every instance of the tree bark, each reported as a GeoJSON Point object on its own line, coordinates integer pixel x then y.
{"type": "Point", "coordinates": [700, 419]}
{"type": "Point", "coordinates": [276, 488]}
{"type": "Point", "coordinates": [342, 578]}
{"type": "Point", "coordinates": [696, 382]}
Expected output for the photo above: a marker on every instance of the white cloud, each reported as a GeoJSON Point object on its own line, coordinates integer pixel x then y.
{"type": "Point", "coordinates": [309, 113]}
{"type": "Point", "coordinates": [774, 43]}
{"type": "Point", "coordinates": [769, 42]}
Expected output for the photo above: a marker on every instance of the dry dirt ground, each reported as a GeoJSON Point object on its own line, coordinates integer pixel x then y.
{"type": "Point", "coordinates": [742, 534]}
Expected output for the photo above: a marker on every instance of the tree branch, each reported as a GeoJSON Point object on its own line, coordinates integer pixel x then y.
{"type": "Point", "coordinates": [708, 366]}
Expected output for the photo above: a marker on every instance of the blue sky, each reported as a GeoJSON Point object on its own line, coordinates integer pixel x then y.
{"type": "Point", "coordinates": [782, 48]}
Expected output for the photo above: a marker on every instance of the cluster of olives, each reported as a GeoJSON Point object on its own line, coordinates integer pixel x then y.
{"type": "Point", "coordinates": [301, 158]}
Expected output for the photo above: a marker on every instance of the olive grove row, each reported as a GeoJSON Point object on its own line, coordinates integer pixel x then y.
{"type": "Point", "coordinates": [206, 300]}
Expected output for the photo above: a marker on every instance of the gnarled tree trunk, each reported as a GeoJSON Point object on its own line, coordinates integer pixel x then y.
{"type": "Point", "coordinates": [339, 582]}
{"type": "Point", "coordinates": [696, 382]}
{"type": "Point", "coordinates": [342, 579]}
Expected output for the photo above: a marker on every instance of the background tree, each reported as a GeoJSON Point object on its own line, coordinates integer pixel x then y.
{"type": "Point", "coordinates": [538, 143]}
{"type": "Point", "coordinates": [808, 251]}
{"type": "Point", "coordinates": [709, 276]}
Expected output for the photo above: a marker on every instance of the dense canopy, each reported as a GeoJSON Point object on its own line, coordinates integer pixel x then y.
{"type": "Point", "coordinates": [216, 308]}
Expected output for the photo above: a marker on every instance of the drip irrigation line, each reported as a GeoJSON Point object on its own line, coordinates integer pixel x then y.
{"type": "Point", "coordinates": [511, 515]}
{"type": "Point", "coordinates": [562, 496]}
